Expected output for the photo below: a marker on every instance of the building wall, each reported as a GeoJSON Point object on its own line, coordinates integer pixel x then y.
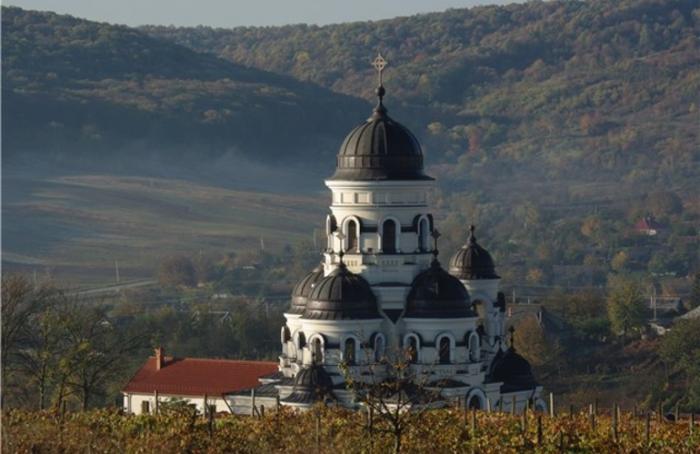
{"type": "Point", "coordinates": [133, 402]}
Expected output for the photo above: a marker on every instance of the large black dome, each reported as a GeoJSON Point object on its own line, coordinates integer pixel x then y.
{"type": "Point", "coordinates": [380, 149]}
{"type": "Point", "coordinates": [472, 261]}
{"type": "Point", "coordinates": [341, 295]}
{"type": "Point", "coordinates": [302, 290]}
{"type": "Point", "coordinates": [436, 294]}
{"type": "Point", "coordinates": [513, 370]}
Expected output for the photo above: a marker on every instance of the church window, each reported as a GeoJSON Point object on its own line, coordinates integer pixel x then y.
{"type": "Point", "coordinates": [316, 351]}
{"type": "Point", "coordinates": [378, 347]}
{"type": "Point", "coordinates": [389, 237]}
{"type": "Point", "coordinates": [349, 354]}
{"type": "Point", "coordinates": [352, 237]}
{"type": "Point", "coordinates": [423, 232]}
{"type": "Point", "coordinates": [284, 338]}
{"type": "Point", "coordinates": [474, 347]}
{"type": "Point", "coordinates": [301, 341]}
{"type": "Point", "coordinates": [412, 348]}
{"type": "Point", "coordinates": [444, 346]}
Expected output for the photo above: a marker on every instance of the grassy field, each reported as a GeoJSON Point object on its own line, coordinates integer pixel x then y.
{"type": "Point", "coordinates": [74, 228]}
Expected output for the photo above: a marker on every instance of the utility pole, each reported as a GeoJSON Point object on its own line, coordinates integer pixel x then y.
{"type": "Point", "coordinates": [116, 270]}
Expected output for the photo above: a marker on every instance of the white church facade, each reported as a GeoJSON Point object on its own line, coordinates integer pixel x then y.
{"type": "Point", "coordinates": [381, 290]}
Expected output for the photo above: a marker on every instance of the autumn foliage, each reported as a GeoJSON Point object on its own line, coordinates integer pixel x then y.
{"type": "Point", "coordinates": [444, 430]}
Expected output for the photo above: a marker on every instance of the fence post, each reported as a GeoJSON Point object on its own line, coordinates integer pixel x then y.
{"type": "Point", "coordinates": [500, 404]}
{"type": "Point", "coordinates": [660, 411]}
{"type": "Point", "coordinates": [539, 430]}
{"type": "Point", "coordinates": [571, 410]}
{"type": "Point", "coordinates": [512, 407]}
{"type": "Point", "coordinates": [155, 405]}
{"type": "Point", "coordinates": [591, 416]}
{"type": "Point", "coordinates": [488, 405]}
{"type": "Point", "coordinates": [524, 419]}
{"type": "Point", "coordinates": [278, 402]}
{"type": "Point", "coordinates": [561, 441]}
{"type": "Point", "coordinates": [676, 413]}
{"type": "Point", "coordinates": [318, 432]}
{"type": "Point", "coordinates": [252, 402]}
{"type": "Point", "coordinates": [473, 422]}
{"type": "Point", "coordinates": [551, 405]}
{"type": "Point", "coordinates": [692, 422]}
{"type": "Point", "coordinates": [262, 411]}
{"type": "Point", "coordinates": [210, 422]}
{"type": "Point", "coordinates": [614, 422]}
{"type": "Point", "coordinates": [647, 428]}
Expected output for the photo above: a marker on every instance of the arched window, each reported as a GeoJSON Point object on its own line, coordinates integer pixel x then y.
{"type": "Point", "coordinates": [411, 345]}
{"type": "Point", "coordinates": [316, 351]}
{"type": "Point", "coordinates": [301, 340]}
{"type": "Point", "coordinates": [423, 232]}
{"type": "Point", "coordinates": [285, 335]}
{"type": "Point", "coordinates": [378, 348]}
{"type": "Point", "coordinates": [444, 346]}
{"type": "Point", "coordinates": [349, 353]}
{"type": "Point", "coordinates": [474, 353]}
{"type": "Point", "coordinates": [389, 237]}
{"type": "Point", "coordinates": [331, 227]}
{"type": "Point", "coordinates": [351, 235]}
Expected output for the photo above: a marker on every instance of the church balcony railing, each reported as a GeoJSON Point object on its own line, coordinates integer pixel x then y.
{"type": "Point", "coordinates": [383, 260]}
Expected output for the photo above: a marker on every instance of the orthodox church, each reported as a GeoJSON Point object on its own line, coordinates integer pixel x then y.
{"type": "Point", "coordinates": [379, 293]}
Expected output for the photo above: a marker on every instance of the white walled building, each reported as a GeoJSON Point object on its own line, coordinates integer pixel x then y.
{"type": "Point", "coordinates": [380, 290]}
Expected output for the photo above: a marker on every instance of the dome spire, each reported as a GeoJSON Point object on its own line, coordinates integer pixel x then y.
{"type": "Point", "coordinates": [379, 64]}
{"type": "Point", "coordinates": [472, 238]}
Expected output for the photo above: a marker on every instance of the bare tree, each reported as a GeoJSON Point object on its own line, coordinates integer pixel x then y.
{"type": "Point", "coordinates": [94, 349]}
{"type": "Point", "coordinates": [393, 391]}
{"type": "Point", "coordinates": [21, 300]}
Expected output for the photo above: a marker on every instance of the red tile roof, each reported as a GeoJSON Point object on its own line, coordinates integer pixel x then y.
{"type": "Point", "coordinates": [196, 376]}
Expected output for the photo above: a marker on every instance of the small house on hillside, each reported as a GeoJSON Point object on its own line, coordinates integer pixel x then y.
{"type": "Point", "coordinates": [648, 226]}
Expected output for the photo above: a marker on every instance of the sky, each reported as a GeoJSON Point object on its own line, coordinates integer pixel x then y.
{"type": "Point", "coordinates": [232, 13]}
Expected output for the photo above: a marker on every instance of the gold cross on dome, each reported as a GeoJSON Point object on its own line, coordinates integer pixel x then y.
{"type": "Point", "coordinates": [379, 64]}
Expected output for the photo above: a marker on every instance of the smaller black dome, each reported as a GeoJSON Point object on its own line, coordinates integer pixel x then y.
{"type": "Point", "coordinates": [302, 290]}
{"type": "Point", "coordinates": [472, 261]}
{"type": "Point", "coordinates": [311, 384]}
{"type": "Point", "coordinates": [436, 294]}
{"type": "Point", "coordinates": [341, 295]}
{"type": "Point", "coordinates": [513, 370]}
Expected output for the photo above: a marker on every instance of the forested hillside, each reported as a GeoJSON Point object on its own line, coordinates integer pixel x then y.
{"type": "Point", "coordinates": [566, 89]}
{"type": "Point", "coordinates": [74, 88]}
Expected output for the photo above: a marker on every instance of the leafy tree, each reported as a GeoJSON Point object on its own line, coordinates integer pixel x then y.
{"type": "Point", "coordinates": [626, 309]}
{"type": "Point", "coordinates": [695, 291]}
{"type": "Point", "coordinates": [177, 271]}
{"type": "Point", "coordinates": [680, 350]}
{"type": "Point", "coordinates": [619, 261]}
{"type": "Point", "coordinates": [542, 352]}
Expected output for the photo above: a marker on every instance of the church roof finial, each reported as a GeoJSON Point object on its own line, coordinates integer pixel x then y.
{"type": "Point", "coordinates": [379, 64]}
{"type": "Point", "coordinates": [472, 237]}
